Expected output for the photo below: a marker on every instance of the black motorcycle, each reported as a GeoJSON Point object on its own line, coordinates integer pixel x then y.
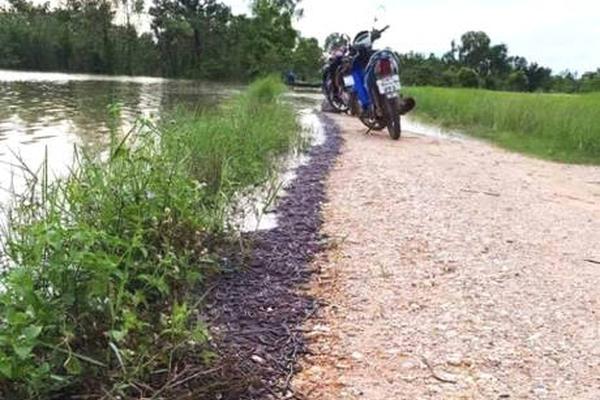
{"type": "Point", "coordinates": [333, 85]}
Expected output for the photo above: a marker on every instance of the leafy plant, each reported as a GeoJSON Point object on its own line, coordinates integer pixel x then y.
{"type": "Point", "coordinates": [97, 293]}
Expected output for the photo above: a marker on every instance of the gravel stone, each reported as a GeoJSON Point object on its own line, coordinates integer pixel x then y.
{"type": "Point", "coordinates": [471, 262]}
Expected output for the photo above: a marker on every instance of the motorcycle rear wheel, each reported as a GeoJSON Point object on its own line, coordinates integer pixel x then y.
{"type": "Point", "coordinates": [392, 112]}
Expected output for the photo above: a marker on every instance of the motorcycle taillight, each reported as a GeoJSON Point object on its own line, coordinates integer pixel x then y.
{"type": "Point", "coordinates": [384, 67]}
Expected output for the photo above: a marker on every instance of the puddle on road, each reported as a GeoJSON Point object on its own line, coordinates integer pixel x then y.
{"type": "Point", "coordinates": [413, 125]}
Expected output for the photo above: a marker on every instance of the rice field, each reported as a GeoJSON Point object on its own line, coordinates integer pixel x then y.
{"type": "Point", "coordinates": [559, 127]}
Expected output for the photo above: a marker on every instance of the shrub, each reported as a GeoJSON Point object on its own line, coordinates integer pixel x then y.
{"type": "Point", "coordinates": [517, 81]}
{"type": "Point", "coordinates": [468, 78]}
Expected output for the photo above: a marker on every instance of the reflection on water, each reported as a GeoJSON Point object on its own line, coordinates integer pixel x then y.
{"type": "Point", "coordinates": [53, 111]}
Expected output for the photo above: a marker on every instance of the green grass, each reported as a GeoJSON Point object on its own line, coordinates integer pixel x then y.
{"type": "Point", "coordinates": [97, 295]}
{"type": "Point", "coordinates": [558, 127]}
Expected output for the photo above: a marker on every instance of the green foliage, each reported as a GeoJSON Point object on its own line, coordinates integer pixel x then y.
{"type": "Point", "coordinates": [307, 59]}
{"type": "Point", "coordinates": [566, 82]}
{"type": "Point", "coordinates": [80, 38]}
{"type": "Point", "coordinates": [203, 39]}
{"type": "Point", "coordinates": [474, 52]}
{"type": "Point", "coordinates": [468, 77]}
{"type": "Point", "coordinates": [590, 82]}
{"type": "Point", "coordinates": [198, 39]}
{"type": "Point", "coordinates": [554, 126]}
{"type": "Point", "coordinates": [495, 69]}
{"type": "Point", "coordinates": [97, 296]}
{"type": "Point", "coordinates": [417, 69]}
{"type": "Point", "coordinates": [539, 78]}
{"type": "Point", "coordinates": [517, 81]}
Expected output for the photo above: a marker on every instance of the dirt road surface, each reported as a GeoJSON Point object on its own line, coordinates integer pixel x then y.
{"type": "Point", "coordinates": [455, 270]}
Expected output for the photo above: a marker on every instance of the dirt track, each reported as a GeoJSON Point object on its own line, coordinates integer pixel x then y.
{"type": "Point", "coordinates": [456, 270]}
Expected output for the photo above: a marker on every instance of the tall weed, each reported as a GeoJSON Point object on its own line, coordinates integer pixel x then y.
{"type": "Point", "coordinates": [97, 293]}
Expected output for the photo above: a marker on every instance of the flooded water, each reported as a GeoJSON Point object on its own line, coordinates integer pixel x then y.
{"type": "Point", "coordinates": [48, 113]}
{"type": "Point", "coordinates": [44, 115]}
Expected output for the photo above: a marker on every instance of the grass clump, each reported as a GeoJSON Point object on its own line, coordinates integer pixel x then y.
{"type": "Point", "coordinates": [96, 297]}
{"type": "Point", "coordinates": [553, 126]}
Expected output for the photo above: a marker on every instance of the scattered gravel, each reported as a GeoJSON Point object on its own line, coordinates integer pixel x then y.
{"type": "Point", "coordinates": [456, 270]}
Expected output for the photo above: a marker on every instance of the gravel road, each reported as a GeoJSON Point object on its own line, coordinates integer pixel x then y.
{"type": "Point", "coordinates": [455, 270]}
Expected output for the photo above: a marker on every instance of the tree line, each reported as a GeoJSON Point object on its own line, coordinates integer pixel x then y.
{"type": "Point", "coordinates": [203, 39]}
{"type": "Point", "coordinates": [188, 38]}
{"type": "Point", "coordinates": [476, 63]}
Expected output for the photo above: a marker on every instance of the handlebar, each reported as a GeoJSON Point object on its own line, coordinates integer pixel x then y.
{"type": "Point", "coordinates": [376, 34]}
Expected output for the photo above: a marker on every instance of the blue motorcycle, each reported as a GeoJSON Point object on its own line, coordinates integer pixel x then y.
{"type": "Point", "coordinates": [373, 81]}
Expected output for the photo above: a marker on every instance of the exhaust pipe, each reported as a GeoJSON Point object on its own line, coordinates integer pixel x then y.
{"type": "Point", "coordinates": [406, 105]}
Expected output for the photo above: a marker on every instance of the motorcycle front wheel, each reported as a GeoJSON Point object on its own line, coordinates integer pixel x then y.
{"type": "Point", "coordinates": [334, 99]}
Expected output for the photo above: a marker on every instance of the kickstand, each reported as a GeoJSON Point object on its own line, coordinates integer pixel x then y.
{"type": "Point", "coordinates": [368, 132]}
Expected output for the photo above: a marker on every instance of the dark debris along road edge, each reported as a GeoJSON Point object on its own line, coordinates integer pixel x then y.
{"type": "Point", "coordinates": [257, 313]}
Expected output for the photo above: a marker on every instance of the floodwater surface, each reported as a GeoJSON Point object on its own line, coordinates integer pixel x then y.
{"type": "Point", "coordinates": [46, 114]}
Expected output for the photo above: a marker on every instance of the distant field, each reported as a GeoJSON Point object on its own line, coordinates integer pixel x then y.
{"type": "Point", "coordinates": [559, 127]}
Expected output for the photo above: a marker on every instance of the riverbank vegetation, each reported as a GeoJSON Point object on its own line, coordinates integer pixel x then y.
{"type": "Point", "coordinates": [98, 294]}
{"type": "Point", "coordinates": [199, 39]}
{"type": "Point", "coordinates": [562, 127]}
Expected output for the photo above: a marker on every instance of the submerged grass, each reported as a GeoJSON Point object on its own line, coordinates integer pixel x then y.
{"type": "Point", "coordinates": [558, 127]}
{"type": "Point", "coordinates": [96, 298]}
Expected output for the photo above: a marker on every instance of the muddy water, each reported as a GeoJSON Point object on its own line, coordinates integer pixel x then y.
{"type": "Point", "coordinates": [49, 113]}
{"type": "Point", "coordinates": [44, 115]}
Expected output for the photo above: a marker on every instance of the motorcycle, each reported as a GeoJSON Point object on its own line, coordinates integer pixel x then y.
{"type": "Point", "coordinates": [333, 87]}
{"type": "Point", "coordinates": [373, 81]}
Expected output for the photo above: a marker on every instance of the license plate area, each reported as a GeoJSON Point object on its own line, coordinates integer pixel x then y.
{"type": "Point", "coordinates": [389, 86]}
{"type": "Point", "coordinates": [349, 81]}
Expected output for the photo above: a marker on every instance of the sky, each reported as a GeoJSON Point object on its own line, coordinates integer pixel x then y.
{"type": "Point", "coordinates": [559, 34]}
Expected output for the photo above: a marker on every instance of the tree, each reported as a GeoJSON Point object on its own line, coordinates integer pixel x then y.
{"type": "Point", "coordinates": [80, 36]}
{"type": "Point", "coordinates": [190, 35]}
{"type": "Point", "coordinates": [129, 8]}
{"type": "Point", "coordinates": [272, 36]}
{"type": "Point", "coordinates": [590, 81]}
{"type": "Point", "coordinates": [499, 62]}
{"type": "Point", "coordinates": [517, 81]}
{"type": "Point", "coordinates": [566, 82]}
{"type": "Point", "coordinates": [450, 58]}
{"type": "Point", "coordinates": [307, 58]}
{"type": "Point", "coordinates": [474, 51]}
{"type": "Point", "coordinates": [518, 63]}
{"type": "Point", "coordinates": [468, 78]}
{"type": "Point", "coordinates": [475, 62]}
{"type": "Point", "coordinates": [450, 77]}
{"type": "Point", "coordinates": [419, 69]}
{"type": "Point", "coordinates": [539, 78]}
